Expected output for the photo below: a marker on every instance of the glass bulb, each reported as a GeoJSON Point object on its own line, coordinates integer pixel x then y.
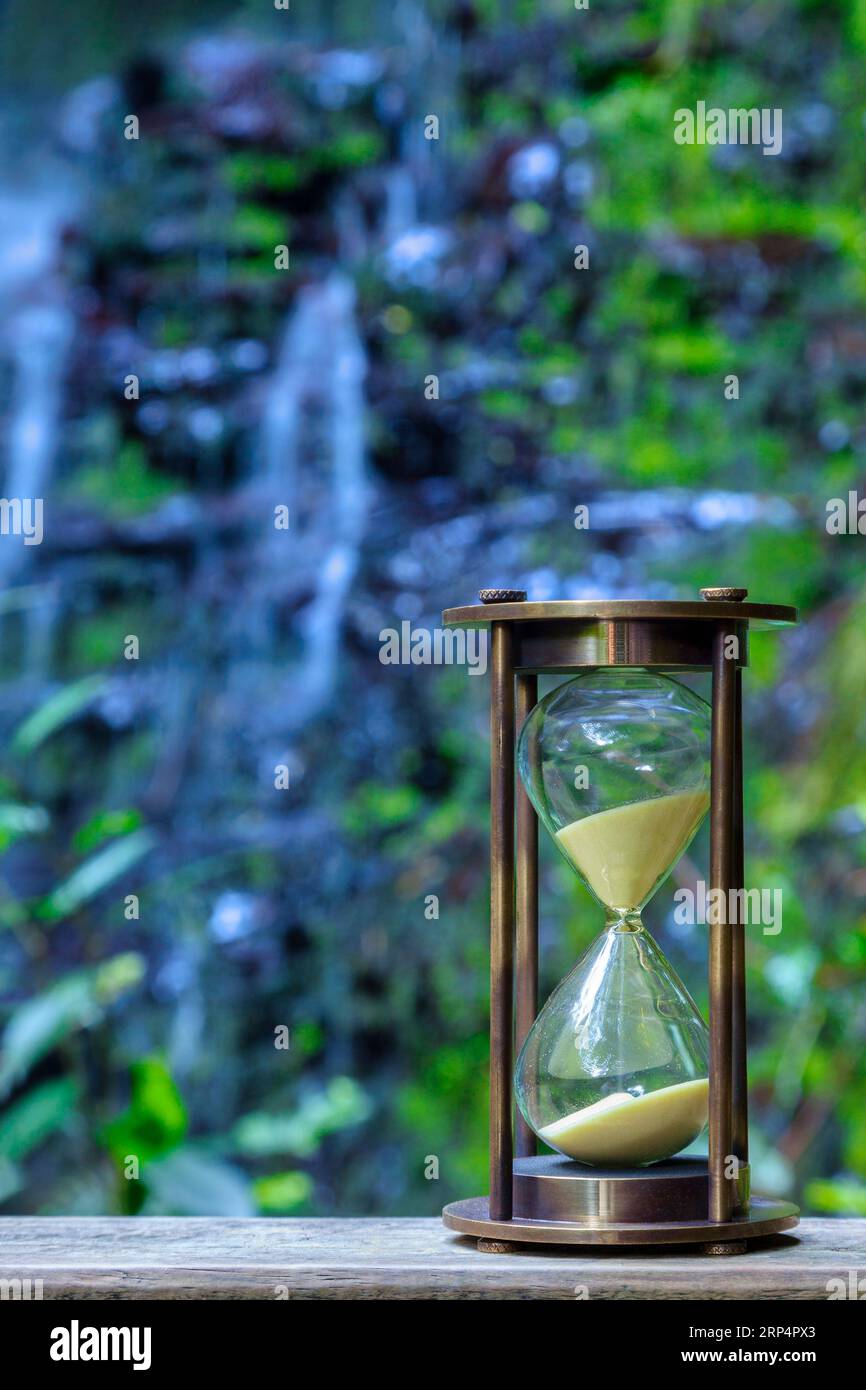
{"type": "Point", "coordinates": [614, 1069]}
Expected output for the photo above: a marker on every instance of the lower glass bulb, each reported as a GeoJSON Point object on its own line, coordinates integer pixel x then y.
{"type": "Point", "coordinates": [614, 1070]}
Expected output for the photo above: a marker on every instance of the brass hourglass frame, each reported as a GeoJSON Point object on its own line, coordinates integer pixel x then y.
{"type": "Point", "coordinates": [551, 1199]}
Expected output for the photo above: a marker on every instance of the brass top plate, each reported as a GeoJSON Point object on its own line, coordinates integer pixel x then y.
{"type": "Point", "coordinates": [759, 616]}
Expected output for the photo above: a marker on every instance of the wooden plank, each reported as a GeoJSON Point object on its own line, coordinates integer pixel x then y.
{"type": "Point", "coordinates": [374, 1259]}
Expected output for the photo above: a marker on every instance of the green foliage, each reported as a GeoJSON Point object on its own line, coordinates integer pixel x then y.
{"type": "Point", "coordinates": [129, 487]}
{"type": "Point", "coordinates": [17, 822]}
{"type": "Point", "coordinates": [256, 228]}
{"type": "Point", "coordinates": [156, 1121]}
{"type": "Point", "coordinates": [504, 405]}
{"type": "Point", "coordinates": [95, 874]}
{"type": "Point", "coordinates": [374, 805]}
{"type": "Point", "coordinates": [837, 1198]}
{"type": "Point", "coordinates": [340, 1105]}
{"type": "Point", "coordinates": [255, 172]}
{"type": "Point", "coordinates": [248, 172]}
{"type": "Point", "coordinates": [59, 709]}
{"type": "Point", "coordinates": [77, 1000]}
{"type": "Point", "coordinates": [105, 825]}
{"type": "Point", "coordinates": [28, 1122]}
{"type": "Point", "coordinates": [282, 1194]}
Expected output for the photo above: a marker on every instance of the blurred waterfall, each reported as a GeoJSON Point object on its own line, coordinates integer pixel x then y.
{"type": "Point", "coordinates": [401, 203]}
{"type": "Point", "coordinates": [313, 461]}
{"type": "Point", "coordinates": [36, 330]}
{"type": "Point", "coordinates": [432, 65]}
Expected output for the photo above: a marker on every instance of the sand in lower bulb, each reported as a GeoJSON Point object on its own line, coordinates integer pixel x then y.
{"type": "Point", "coordinates": [623, 1129]}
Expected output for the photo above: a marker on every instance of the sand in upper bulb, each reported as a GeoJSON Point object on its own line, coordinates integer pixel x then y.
{"type": "Point", "coordinates": [622, 852]}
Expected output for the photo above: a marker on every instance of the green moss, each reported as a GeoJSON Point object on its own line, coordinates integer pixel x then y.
{"type": "Point", "coordinates": [128, 488]}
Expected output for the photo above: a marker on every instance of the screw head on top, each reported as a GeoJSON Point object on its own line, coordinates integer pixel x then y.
{"type": "Point", "coordinates": [724, 595]}
{"type": "Point", "coordinates": [502, 595]}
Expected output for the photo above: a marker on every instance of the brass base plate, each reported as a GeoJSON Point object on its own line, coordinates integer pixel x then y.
{"type": "Point", "coordinates": [472, 1218]}
{"type": "Point", "coordinates": [550, 1187]}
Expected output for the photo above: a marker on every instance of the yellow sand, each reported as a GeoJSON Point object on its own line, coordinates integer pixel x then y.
{"type": "Point", "coordinates": [622, 852]}
{"type": "Point", "coordinates": [623, 1129]}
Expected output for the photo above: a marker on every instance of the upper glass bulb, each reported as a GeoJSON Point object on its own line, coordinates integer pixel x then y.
{"type": "Point", "coordinates": [614, 1069]}
{"type": "Point", "coordinates": [616, 763]}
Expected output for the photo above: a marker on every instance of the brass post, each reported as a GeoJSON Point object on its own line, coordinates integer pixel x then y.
{"type": "Point", "coordinates": [740, 1100]}
{"type": "Point", "coordinates": [720, 945]}
{"type": "Point", "coordinates": [527, 908]}
{"type": "Point", "coordinates": [501, 915]}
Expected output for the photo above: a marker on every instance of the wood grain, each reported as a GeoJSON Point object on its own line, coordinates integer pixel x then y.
{"type": "Point", "coordinates": [374, 1259]}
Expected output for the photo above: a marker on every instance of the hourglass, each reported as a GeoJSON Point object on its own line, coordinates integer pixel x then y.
{"type": "Point", "coordinates": [618, 1073]}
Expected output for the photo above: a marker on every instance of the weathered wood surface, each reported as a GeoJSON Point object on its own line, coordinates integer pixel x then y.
{"type": "Point", "coordinates": [203, 1258]}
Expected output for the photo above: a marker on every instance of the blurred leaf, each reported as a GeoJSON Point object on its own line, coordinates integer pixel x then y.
{"type": "Point", "coordinates": [61, 707]}
{"type": "Point", "coordinates": [341, 1104]}
{"type": "Point", "coordinates": [281, 1192]}
{"type": "Point", "coordinates": [840, 1198]}
{"type": "Point", "coordinates": [350, 148]}
{"type": "Point", "coordinates": [117, 975]}
{"type": "Point", "coordinates": [258, 227]}
{"type": "Point", "coordinates": [17, 821]}
{"type": "Point", "coordinates": [105, 825]}
{"type": "Point", "coordinates": [24, 1125]}
{"type": "Point", "coordinates": [190, 1182]}
{"type": "Point", "coordinates": [76, 1001]}
{"type": "Point", "coordinates": [249, 171]}
{"type": "Point", "coordinates": [308, 1038]}
{"type": "Point", "coordinates": [504, 405]}
{"type": "Point", "coordinates": [156, 1120]}
{"type": "Point", "coordinates": [694, 352]}
{"type": "Point", "coordinates": [11, 1180]}
{"type": "Point", "coordinates": [95, 874]}
{"type": "Point", "coordinates": [375, 806]}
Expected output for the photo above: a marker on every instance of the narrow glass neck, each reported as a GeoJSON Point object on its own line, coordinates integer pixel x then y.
{"type": "Point", "coordinates": [623, 921]}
